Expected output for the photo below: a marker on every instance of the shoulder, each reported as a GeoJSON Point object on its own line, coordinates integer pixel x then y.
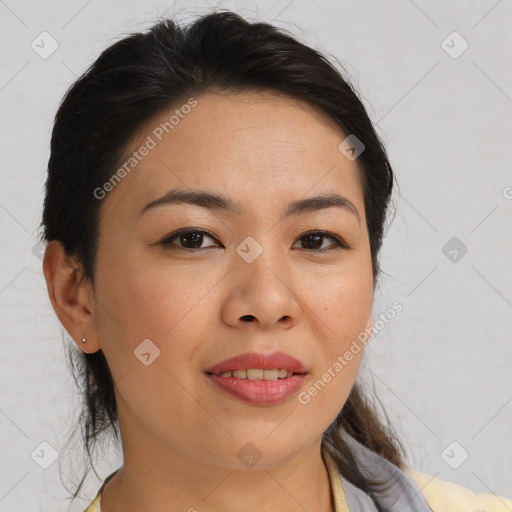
{"type": "Point", "coordinates": [445, 496]}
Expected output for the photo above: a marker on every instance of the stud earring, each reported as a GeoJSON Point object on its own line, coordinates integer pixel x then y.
{"type": "Point", "coordinates": [84, 340]}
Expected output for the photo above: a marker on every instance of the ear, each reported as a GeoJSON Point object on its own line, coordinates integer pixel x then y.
{"type": "Point", "coordinates": [72, 300]}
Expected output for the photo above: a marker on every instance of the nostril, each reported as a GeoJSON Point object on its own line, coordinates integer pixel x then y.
{"type": "Point", "coordinates": [248, 318]}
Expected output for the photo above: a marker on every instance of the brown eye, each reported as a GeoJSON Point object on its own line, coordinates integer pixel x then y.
{"type": "Point", "coordinates": [188, 239]}
{"type": "Point", "coordinates": [314, 241]}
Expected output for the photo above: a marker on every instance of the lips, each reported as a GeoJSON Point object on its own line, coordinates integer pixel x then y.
{"type": "Point", "coordinates": [275, 360]}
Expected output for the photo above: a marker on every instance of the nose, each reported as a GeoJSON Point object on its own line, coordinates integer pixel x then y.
{"type": "Point", "coordinates": [261, 293]}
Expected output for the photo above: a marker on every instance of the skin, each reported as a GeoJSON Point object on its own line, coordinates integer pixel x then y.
{"type": "Point", "coordinates": [180, 434]}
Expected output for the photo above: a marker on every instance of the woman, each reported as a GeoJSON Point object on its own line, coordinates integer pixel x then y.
{"type": "Point", "coordinates": [214, 210]}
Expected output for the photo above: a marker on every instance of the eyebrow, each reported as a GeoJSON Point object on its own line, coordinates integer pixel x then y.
{"type": "Point", "coordinates": [218, 202]}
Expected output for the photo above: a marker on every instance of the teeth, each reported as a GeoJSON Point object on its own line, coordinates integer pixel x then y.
{"type": "Point", "coordinates": [254, 374]}
{"type": "Point", "coordinates": [258, 374]}
{"type": "Point", "coordinates": [270, 374]}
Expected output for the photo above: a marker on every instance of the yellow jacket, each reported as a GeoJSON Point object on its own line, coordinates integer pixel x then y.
{"type": "Point", "coordinates": [444, 496]}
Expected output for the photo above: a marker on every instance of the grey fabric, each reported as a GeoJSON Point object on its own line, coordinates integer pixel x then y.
{"type": "Point", "coordinates": [401, 495]}
{"type": "Point", "coordinates": [357, 500]}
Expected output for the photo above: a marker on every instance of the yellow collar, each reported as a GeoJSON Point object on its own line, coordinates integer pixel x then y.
{"type": "Point", "coordinates": [340, 503]}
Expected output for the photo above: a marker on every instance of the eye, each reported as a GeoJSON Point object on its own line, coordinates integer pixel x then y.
{"type": "Point", "coordinates": [314, 239]}
{"type": "Point", "coordinates": [191, 238]}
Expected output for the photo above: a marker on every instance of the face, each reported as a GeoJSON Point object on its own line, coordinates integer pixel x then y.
{"type": "Point", "coordinates": [202, 284]}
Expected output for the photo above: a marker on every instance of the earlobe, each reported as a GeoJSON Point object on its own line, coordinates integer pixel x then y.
{"type": "Point", "coordinates": [71, 299]}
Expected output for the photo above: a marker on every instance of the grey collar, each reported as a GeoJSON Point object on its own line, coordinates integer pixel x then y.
{"type": "Point", "coordinates": [401, 495]}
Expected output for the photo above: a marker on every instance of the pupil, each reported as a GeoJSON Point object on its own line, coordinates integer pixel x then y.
{"type": "Point", "coordinates": [194, 237]}
{"type": "Point", "coordinates": [314, 243]}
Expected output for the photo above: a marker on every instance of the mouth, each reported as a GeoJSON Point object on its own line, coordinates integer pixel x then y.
{"type": "Point", "coordinates": [259, 366]}
{"type": "Point", "coordinates": [258, 374]}
{"type": "Point", "coordinates": [259, 379]}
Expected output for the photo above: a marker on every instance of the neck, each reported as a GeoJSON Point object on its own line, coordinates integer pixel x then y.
{"type": "Point", "coordinates": [157, 478]}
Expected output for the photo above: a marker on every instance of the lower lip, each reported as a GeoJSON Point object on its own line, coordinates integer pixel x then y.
{"type": "Point", "coordinates": [259, 392]}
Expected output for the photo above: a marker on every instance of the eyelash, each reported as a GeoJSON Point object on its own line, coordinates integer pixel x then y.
{"type": "Point", "coordinates": [339, 243]}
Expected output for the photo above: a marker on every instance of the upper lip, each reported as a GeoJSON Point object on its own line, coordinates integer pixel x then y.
{"type": "Point", "coordinates": [278, 360]}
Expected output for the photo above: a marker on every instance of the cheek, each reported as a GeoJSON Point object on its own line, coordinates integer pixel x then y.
{"type": "Point", "coordinates": [342, 300]}
{"type": "Point", "coordinates": [347, 314]}
{"type": "Point", "coordinates": [342, 305]}
{"type": "Point", "coordinates": [151, 301]}
{"type": "Point", "coordinates": [141, 303]}
{"type": "Point", "coordinates": [169, 305]}
{"type": "Point", "coordinates": [133, 306]}
{"type": "Point", "coordinates": [350, 311]}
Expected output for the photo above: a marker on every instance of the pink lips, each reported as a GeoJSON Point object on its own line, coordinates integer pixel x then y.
{"type": "Point", "coordinates": [259, 392]}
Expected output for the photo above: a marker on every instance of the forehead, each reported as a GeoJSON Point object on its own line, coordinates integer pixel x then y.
{"type": "Point", "coordinates": [252, 146]}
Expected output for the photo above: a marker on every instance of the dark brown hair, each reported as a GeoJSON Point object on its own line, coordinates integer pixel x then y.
{"type": "Point", "coordinates": [144, 73]}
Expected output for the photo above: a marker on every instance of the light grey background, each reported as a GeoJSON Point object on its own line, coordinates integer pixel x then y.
{"type": "Point", "coordinates": [442, 367]}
